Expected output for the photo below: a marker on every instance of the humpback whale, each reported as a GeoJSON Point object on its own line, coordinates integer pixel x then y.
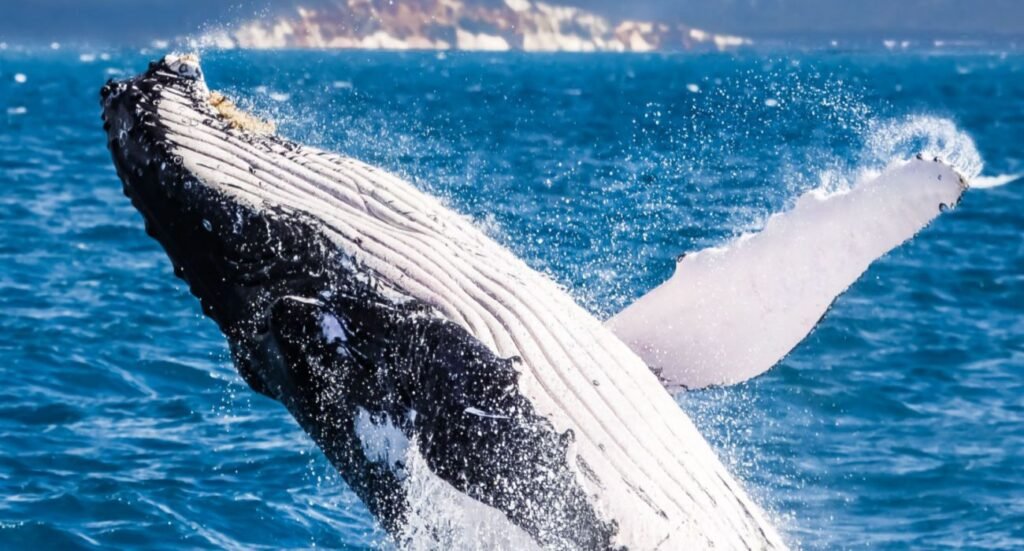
{"type": "Point", "coordinates": [465, 398]}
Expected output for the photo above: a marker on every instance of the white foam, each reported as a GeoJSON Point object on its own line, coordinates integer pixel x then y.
{"type": "Point", "coordinates": [927, 136]}
{"type": "Point", "coordinates": [988, 182]}
{"type": "Point", "coordinates": [439, 516]}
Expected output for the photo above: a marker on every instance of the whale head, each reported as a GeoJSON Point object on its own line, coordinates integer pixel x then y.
{"type": "Point", "coordinates": [240, 252]}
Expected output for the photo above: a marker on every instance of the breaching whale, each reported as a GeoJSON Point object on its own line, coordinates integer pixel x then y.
{"type": "Point", "coordinates": [466, 398]}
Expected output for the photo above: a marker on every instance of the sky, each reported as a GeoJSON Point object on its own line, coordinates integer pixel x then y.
{"type": "Point", "coordinates": [114, 21]}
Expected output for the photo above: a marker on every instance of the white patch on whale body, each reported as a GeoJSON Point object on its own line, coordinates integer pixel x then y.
{"type": "Point", "coordinates": [303, 300]}
{"type": "Point", "coordinates": [334, 331]}
{"type": "Point", "coordinates": [481, 413]}
{"type": "Point", "coordinates": [332, 328]}
{"type": "Point", "coordinates": [382, 442]}
{"type": "Point", "coordinates": [730, 313]}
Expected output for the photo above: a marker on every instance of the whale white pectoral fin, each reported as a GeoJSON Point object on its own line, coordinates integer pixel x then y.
{"type": "Point", "coordinates": [728, 314]}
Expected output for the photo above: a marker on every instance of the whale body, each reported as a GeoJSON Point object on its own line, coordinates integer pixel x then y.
{"type": "Point", "coordinates": [466, 398]}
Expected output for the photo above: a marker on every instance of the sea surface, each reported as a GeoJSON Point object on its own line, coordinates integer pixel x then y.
{"type": "Point", "coordinates": [898, 423]}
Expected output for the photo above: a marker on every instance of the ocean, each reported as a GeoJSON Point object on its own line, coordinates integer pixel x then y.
{"type": "Point", "coordinates": [898, 423]}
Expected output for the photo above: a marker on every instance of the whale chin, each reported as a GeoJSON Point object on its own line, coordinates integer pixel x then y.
{"type": "Point", "coordinates": [466, 399]}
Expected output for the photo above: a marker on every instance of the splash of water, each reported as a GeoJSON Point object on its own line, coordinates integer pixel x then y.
{"type": "Point", "coordinates": [894, 140]}
{"type": "Point", "coordinates": [987, 182]}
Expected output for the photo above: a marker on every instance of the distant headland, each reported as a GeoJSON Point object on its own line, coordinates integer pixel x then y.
{"type": "Point", "coordinates": [472, 25]}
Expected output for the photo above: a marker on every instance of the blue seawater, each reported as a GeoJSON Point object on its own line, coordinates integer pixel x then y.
{"type": "Point", "coordinates": [899, 423]}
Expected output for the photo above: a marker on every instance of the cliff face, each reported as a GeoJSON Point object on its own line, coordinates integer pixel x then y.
{"type": "Point", "coordinates": [490, 25]}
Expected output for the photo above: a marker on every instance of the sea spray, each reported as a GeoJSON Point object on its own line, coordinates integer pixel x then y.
{"type": "Point", "coordinates": [928, 136]}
